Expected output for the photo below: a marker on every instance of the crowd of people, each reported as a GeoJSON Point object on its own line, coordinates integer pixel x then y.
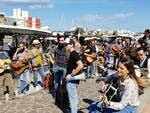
{"type": "Point", "coordinates": [130, 60]}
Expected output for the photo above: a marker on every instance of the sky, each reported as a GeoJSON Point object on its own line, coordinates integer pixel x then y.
{"type": "Point", "coordinates": [61, 15]}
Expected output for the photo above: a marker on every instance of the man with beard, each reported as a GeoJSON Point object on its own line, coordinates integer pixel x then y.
{"type": "Point", "coordinates": [59, 67]}
{"type": "Point", "coordinates": [22, 57]}
{"type": "Point", "coordinates": [5, 75]}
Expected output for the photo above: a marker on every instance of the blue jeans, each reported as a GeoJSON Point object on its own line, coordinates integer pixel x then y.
{"type": "Point", "coordinates": [94, 67]}
{"type": "Point", "coordinates": [73, 96]}
{"type": "Point", "coordinates": [91, 69]}
{"type": "Point", "coordinates": [41, 71]}
{"type": "Point", "coordinates": [24, 81]}
{"type": "Point", "coordinates": [95, 108]}
{"type": "Point", "coordinates": [59, 74]}
{"type": "Point", "coordinates": [107, 58]}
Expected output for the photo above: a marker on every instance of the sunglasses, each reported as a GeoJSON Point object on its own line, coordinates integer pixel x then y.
{"type": "Point", "coordinates": [140, 54]}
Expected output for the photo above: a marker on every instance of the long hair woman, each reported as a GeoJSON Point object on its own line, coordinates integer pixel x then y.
{"type": "Point", "coordinates": [130, 83]}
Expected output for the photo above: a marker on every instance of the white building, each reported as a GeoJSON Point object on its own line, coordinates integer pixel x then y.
{"type": "Point", "coordinates": [2, 18]}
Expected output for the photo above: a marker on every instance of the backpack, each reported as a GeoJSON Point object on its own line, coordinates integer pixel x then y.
{"type": "Point", "coordinates": [62, 99]}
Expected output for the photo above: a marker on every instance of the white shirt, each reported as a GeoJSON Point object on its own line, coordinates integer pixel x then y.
{"type": "Point", "coordinates": [137, 71]}
{"type": "Point", "coordinates": [148, 66]}
{"type": "Point", "coordinates": [130, 96]}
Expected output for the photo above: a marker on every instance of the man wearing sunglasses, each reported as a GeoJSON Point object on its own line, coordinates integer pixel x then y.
{"type": "Point", "coordinates": [144, 62]}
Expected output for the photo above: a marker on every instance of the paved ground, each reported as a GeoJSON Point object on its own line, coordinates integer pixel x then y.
{"type": "Point", "coordinates": [43, 102]}
{"type": "Point", "coordinates": [145, 101]}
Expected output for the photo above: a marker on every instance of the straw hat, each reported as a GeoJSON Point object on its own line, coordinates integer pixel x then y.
{"type": "Point", "coordinates": [36, 42]}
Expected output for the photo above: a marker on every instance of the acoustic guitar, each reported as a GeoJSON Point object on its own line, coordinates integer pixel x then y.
{"type": "Point", "coordinates": [100, 106]}
{"type": "Point", "coordinates": [19, 67]}
{"type": "Point", "coordinates": [4, 65]}
{"type": "Point", "coordinates": [115, 51]}
{"type": "Point", "coordinates": [112, 94]}
{"type": "Point", "coordinates": [112, 91]}
{"type": "Point", "coordinates": [90, 59]}
{"type": "Point", "coordinates": [50, 58]}
{"type": "Point", "coordinates": [49, 81]}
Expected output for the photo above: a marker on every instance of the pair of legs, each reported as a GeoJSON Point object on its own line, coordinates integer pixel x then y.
{"type": "Point", "coordinates": [59, 75]}
{"type": "Point", "coordinates": [24, 81]}
{"type": "Point", "coordinates": [7, 80]}
{"type": "Point", "coordinates": [73, 96]}
{"type": "Point", "coordinates": [39, 70]}
{"type": "Point", "coordinates": [91, 69]}
{"type": "Point", "coordinates": [96, 108]}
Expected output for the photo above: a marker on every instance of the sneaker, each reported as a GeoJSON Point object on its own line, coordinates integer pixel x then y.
{"type": "Point", "coordinates": [96, 74]}
{"type": "Point", "coordinates": [21, 95]}
{"type": "Point", "coordinates": [92, 76]}
{"type": "Point", "coordinates": [17, 94]}
{"type": "Point", "coordinates": [37, 88]}
{"type": "Point", "coordinates": [7, 97]}
{"type": "Point", "coordinates": [26, 93]}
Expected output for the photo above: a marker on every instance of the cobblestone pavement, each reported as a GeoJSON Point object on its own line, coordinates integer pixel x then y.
{"type": "Point", "coordinates": [43, 102]}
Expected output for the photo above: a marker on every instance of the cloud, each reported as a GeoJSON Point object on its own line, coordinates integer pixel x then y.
{"type": "Point", "coordinates": [75, 1]}
{"type": "Point", "coordinates": [122, 15]}
{"type": "Point", "coordinates": [100, 19]}
{"type": "Point", "coordinates": [89, 1]}
{"type": "Point", "coordinates": [30, 3]}
{"type": "Point", "coordinates": [41, 6]}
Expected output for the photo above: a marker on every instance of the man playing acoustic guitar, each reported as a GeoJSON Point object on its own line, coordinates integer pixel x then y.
{"type": "Point", "coordinates": [5, 74]}
{"type": "Point", "coordinates": [21, 67]}
{"type": "Point", "coordinates": [90, 54]}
